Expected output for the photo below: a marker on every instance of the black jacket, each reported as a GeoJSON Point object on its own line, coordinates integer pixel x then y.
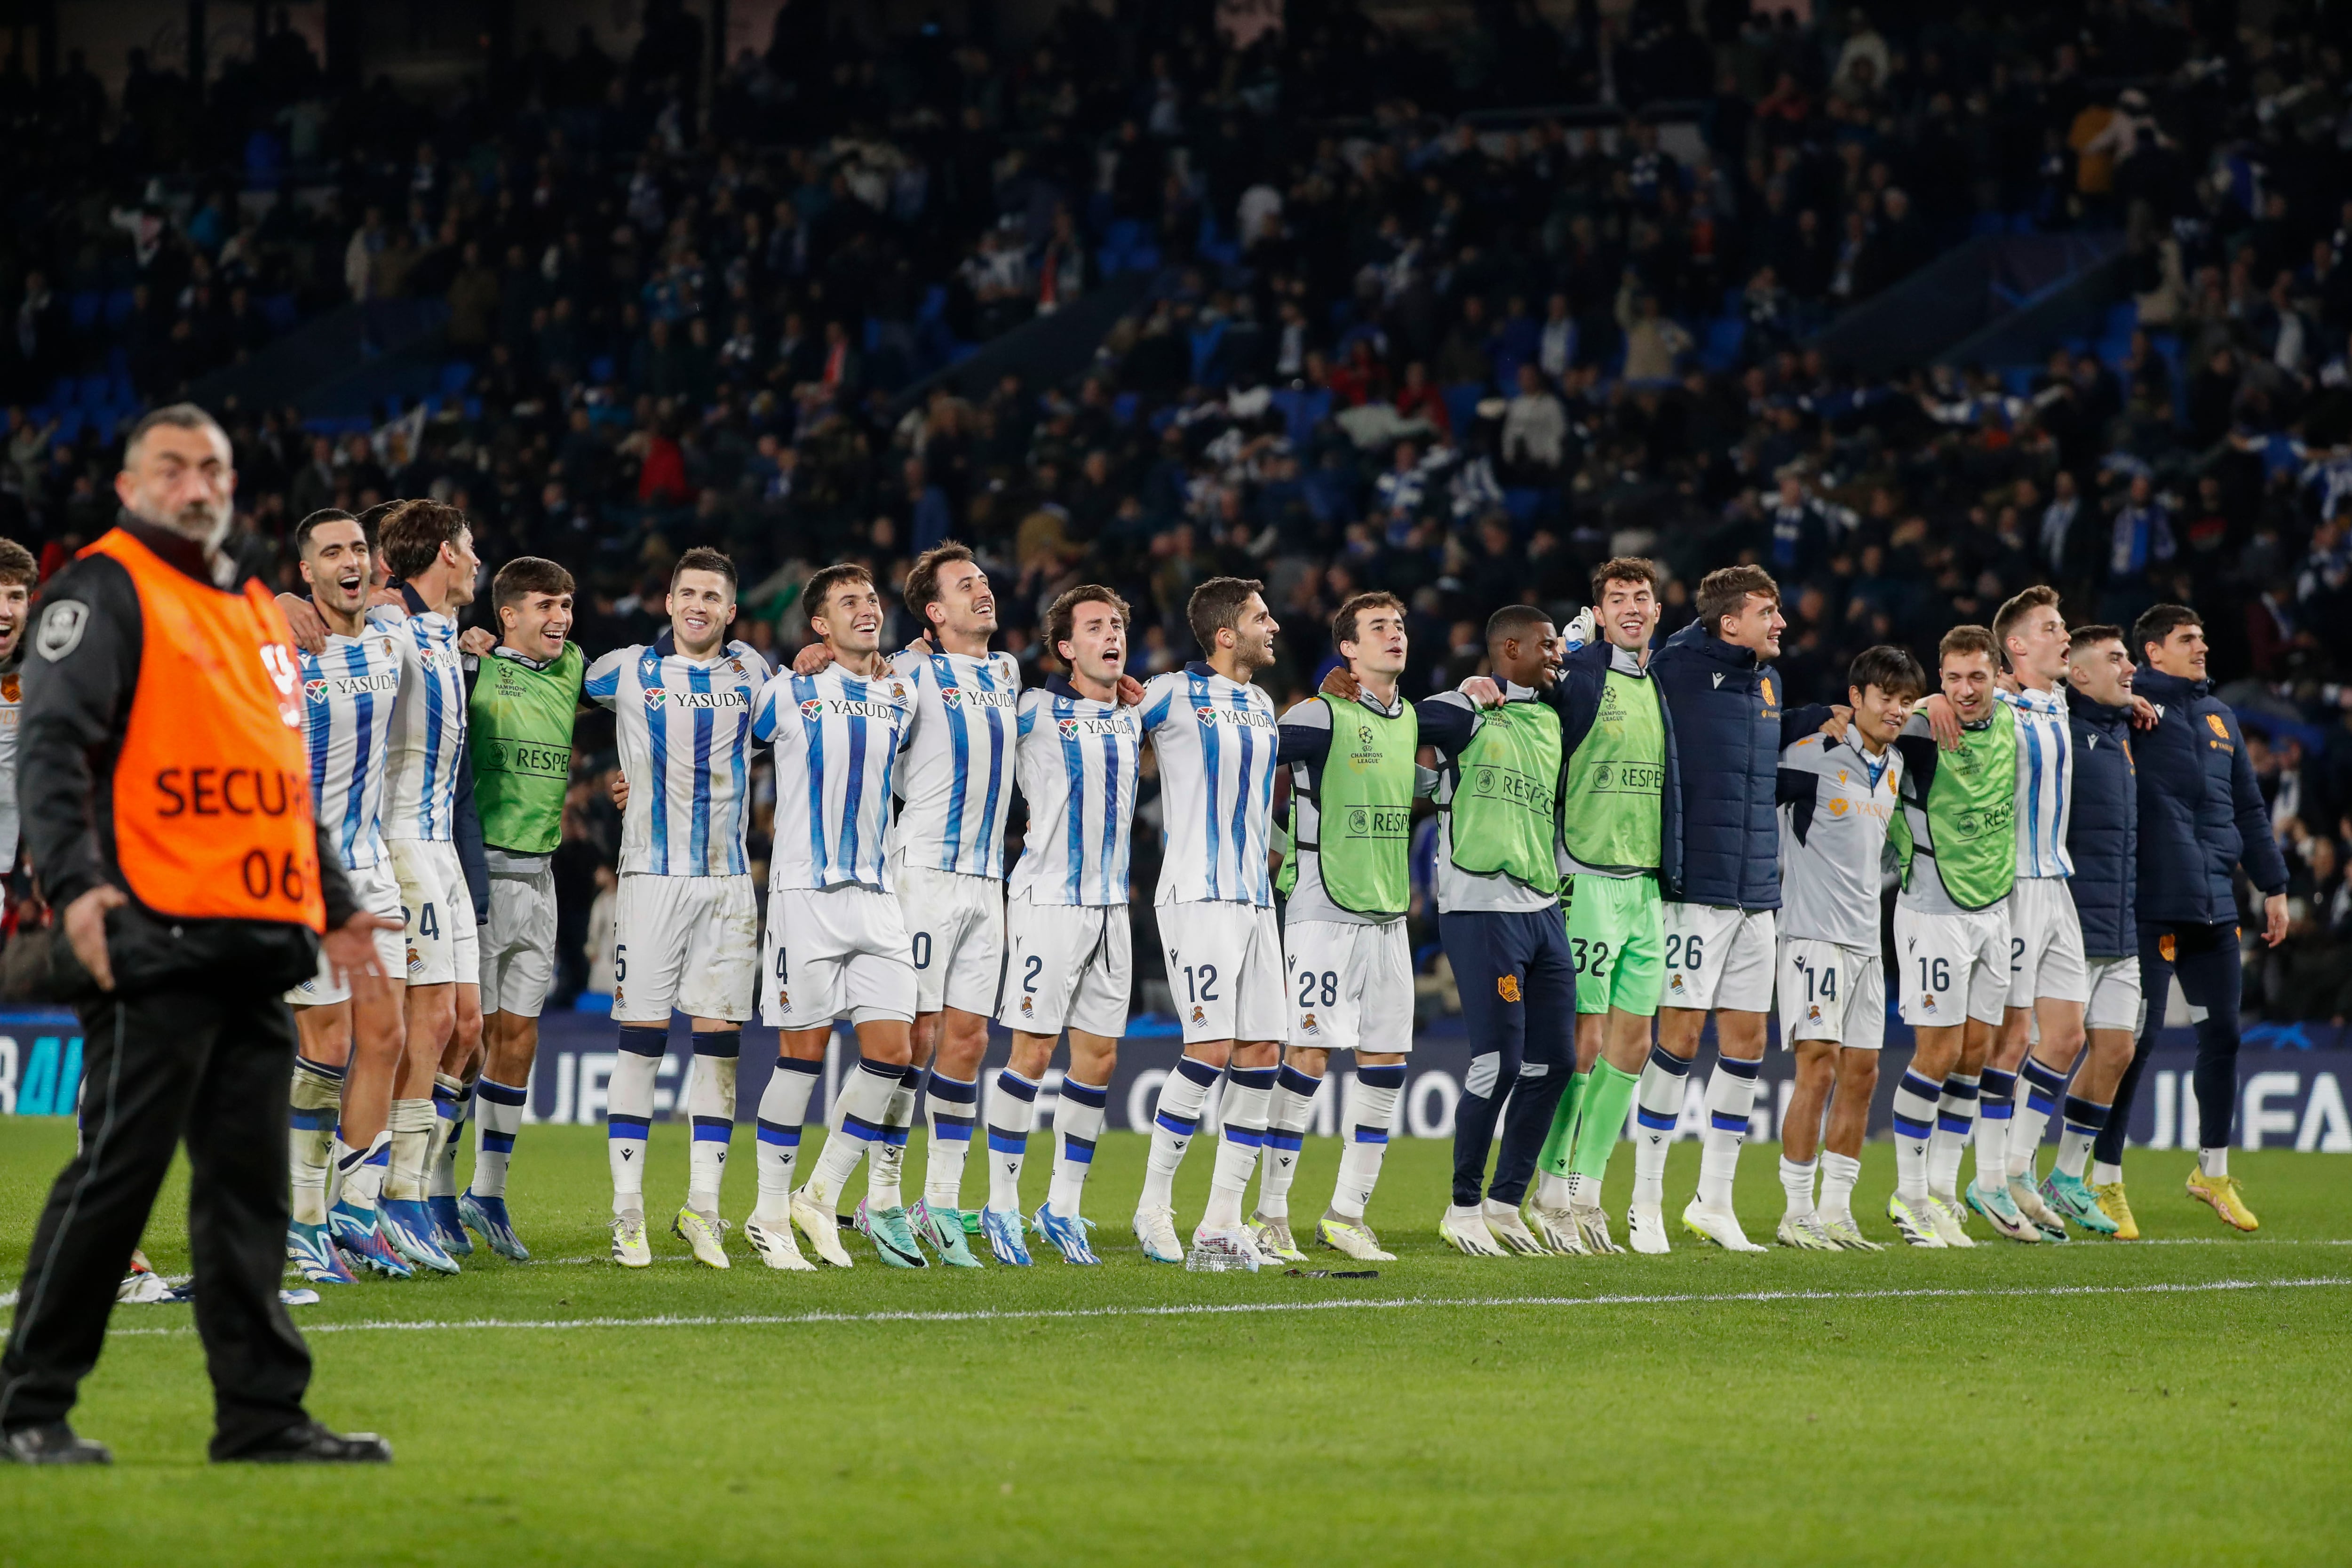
{"type": "Point", "coordinates": [1728, 725]}
{"type": "Point", "coordinates": [2103, 827]}
{"type": "Point", "coordinates": [2200, 811]}
{"type": "Point", "coordinates": [76, 702]}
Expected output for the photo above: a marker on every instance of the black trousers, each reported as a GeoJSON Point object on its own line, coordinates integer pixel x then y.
{"type": "Point", "coordinates": [159, 1067]}
{"type": "Point", "coordinates": [2212, 978]}
{"type": "Point", "coordinates": [1519, 1002]}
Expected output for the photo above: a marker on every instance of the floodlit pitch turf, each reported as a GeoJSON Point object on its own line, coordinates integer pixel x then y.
{"type": "Point", "coordinates": [2095, 1401]}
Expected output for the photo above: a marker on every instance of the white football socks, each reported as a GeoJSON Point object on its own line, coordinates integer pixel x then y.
{"type": "Point", "coordinates": [2086, 1119]}
{"type": "Point", "coordinates": [2043, 1088]}
{"type": "Point", "coordinates": [1996, 1111]}
{"type": "Point", "coordinates": [1659, 1095]}
{"type": "Point", "coordinates": [629, 1111]}
{"type": "Point", "coordinates": [1172, 1126]}
{"type": "Point", "coordinates": [710, 1102]}
{"type": "Point", "coordinates": [1955, 1118]}
{"type": "Point", "coordinates": [1239, 1140]}
{"type": "Point", "coordinates": [865, 1100]}
{"type": "Point", "coordinates": [1376, 1089]}
{"type": "Point", "coordinates": [1078, 1127]}
{"type": "Point", "coordinates": [947, 1109]}
{"type": "Point", "coordinates": [882, 1177]}
{"type": "Point", "coordinates": [499, 1108]}
{"type": "Point", "coordinates": [316, 1092]}
{"type": "Point", "coordinates": [1012, 1114]}
{"type": "Point", "coordinates": [1287, 1111]}
{"type": "Point", "coordinates": [1797, 1181]}
{"type": "Point", "coordinates": [783, 1109]}
{"type": "Point", "coordinates": [411, 1124]}
{"type": "Point", "coordinates": [1730, 1097]}
{"type": "Point", "coordinates": [1914, 1131]}
{"type": "Point", "coordinates": [1839, 1173]}
{"type": "Point", "coordinates": [451, 1100]}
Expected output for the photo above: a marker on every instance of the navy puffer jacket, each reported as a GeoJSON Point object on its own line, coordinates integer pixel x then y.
{"type": "Point", "coordinates": [2103, 827]}
{"type": "Point", "coordinates": [2200, 811]}
{"type": "Point", "coordinates": [1728, 731]}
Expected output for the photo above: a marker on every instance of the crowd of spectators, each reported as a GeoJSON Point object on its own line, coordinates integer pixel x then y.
{"type": "Point", "coordinates": [1457, 315]}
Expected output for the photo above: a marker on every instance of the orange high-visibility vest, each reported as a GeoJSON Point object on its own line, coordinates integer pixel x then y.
{"type": "Point", "coordinates": [213, 817]}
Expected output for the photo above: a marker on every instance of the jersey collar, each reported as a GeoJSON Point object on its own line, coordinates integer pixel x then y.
{"type": "Point", "coordinates": [502, 651]}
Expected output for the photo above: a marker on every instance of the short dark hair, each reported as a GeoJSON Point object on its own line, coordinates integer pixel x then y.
{"type": "Point", "coordinates": [1890, 669]}
{"type": "Point", "coordinates": [2091, 635]}
{"type": "Point", "coordinates": [702, 558]}
{"type": "Point", "coordinates": [17, 567]}
{"type": "Point", "coordinates": [1624, 568]}
{"type": "Point", "coordinates": [179, 415]}
{"type": "Point", "coordinates": [923, 577]}
{"type": "Point", "coordinates": [1724, 592]}
{"type": "Point", "coordinates": [524, 575]}
{"type": "Point", "coordinates": [1061, 616]}
{"type": "Point", "coordinates": [2005, 619]}
{"type": "Point", "coordinates": [825, 579]}
{"type": "Point", "coordinates": [1968, 639]}
{"type": "Point", "coordinates": [2158, 622]}
{"type": "Point", "coordinates": [311, 524]}
{"type": "Point", "coordinates": [1513, 621]}
{"type": "Point", "coordinates": [413, 533]}
{"type": "Point", "coordinates": [1217, 607]}
{"type": "Point", "coordinates": [1343, 623]}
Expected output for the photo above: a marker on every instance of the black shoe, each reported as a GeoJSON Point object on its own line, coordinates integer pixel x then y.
{"type": "Point", "coordinates": [53, 1442]}
{"type": "Point", "coordinates": [308, 1443]}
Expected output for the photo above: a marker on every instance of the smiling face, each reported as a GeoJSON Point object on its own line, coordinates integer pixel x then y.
{"type": "Point", "coordinates": [850, 619]}
{"type": "Point", "coordinates": [966, 605]}
{"type": "Point", "coordinates": [1252, 633]}
{"type": "Point", "coordinates": [1878, 713]}
{"type": "Point", "coordinates": [2101, 671]}
{"type": "Point", "coordinates": [2182, 653]}
{"type": "Point", "coordinates": [1758, 625]}
{"type": "Point", "coordinates": [1968, 677]}
{"type": "Point", "coordinates": [1628, 614]}
{"type": "Point", "coordinates": [1377, 648]}
{"type": "Point", "coordinates": [537, 626]}
{"type": "Point", "coordinates": [701, 606]}
{"type": "Point", "coordinates": [335, 564]}
{"type": "Point", "coordinates": [13, 598]}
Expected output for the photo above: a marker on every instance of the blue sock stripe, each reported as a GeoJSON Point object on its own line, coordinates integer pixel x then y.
{"type": "Point", "coordinates": [351, 1161]}
{"type": "Point", "coordinates": [497, 1143]}
{"type": "Point", "coordinates": [1252, 1077]}
{"type": "Point", "coordinates": [1996, 1110]}
{"type": "Point", "coordinates": [1291, 1141]}
{"type": "Point", "coordinates": [1183, 1126]}
{"type": "Point", "coordinates": [1724, 1121]}
{"type": "Point", "coordinates": [1296, 1082]}
{"type": "Point", "coordinates": [501, 1094]}
{"type": "Point", "coordinates": [1995, 1081]}
{"type": "Point", "coordinates": [1912, 1083]}
{"type": "Point", "coordinates": [442, 1095]}
{"type": "Point", "coordinates": [645, 1040]}
{"type": "Point", "coordinates": [1952, 1123]}
{"type": "Point", "coordinates": [381, 1156]}
{"type": "Point", "coordinates": [1665, 1061]}
{"type": "Point", "coordinates": [1243, 1137]}
{"type": "Point", "coordinates": [857, 1127]}
{"type": "Point", "coordinates": [713, 1129]}
{"type": "Point", "coordinates": [954, 1091]}
{"type": "Point", "coordinates": [1199, 1072]}
{"type": "Point", "coordinates": [2039, 1102]}
{"type": "Point", "coordinates": [888, 1073]}
{"type": "Point", "coordinates": [1371, 1134]}
{"type": "Point", "coordinates": [726, 1043]}
{"type": "Point", "coordinates": [1960, 1088]}
{"type": "Point", "coordinates": [1019, 1088]}
{"type": "Point", "coordinates": [627, 1126]}
{"type": "Point", "coordinates": [2088, 1112]}
{"type": "Point", "coordinates": [1005, 1140]}
{"type": "Point", "coordinates": [1655, 1120]}
{"type": "Point", "coordinates": [911, 1078]}
{"type": "Point", "coordinates": [2041, 1076]}
{"type": "Point", "coordinates": [776, 1135]}
{"type": "Point", "coordinates": [794, 1064]}
{"type": "Point", "coordinates": [894, 1136]}
{"type": "Point", "coordinates": [1078, 1094]}
{"type": "Point", "coordinates": [312, 1120]}
{"type": "Point", "coordinates": [1738, 1069]}
{"type": "Point", "coordinates": [1078, 1150]}
{"type": "Point", "coordinates": [1391, 1075]}
{"type": "Point", "coordinates": [1911, 1128]}
{"type": "Point", "coordinates": [317, 1070]}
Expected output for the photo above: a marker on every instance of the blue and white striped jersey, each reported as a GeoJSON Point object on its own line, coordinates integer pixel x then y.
{"type": "Point", "coordinates": [684, 726]}
{"type": "Point", "coordinates": [1077, 766]}
{"type": "Point", "coordinates": [2045, 782]}
{"type": "Point", "coordinates": [349, 693]}
{"type": "Point", "coordinates": [1217, 742]}
{"type": "Point", "coordinates": [958, 779]}
{"type": "Point", "coordinates": [837, 740]}
{"type": "Point", "coordinates": [428, 724]}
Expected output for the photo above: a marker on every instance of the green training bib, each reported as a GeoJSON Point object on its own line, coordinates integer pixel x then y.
{"type": "Point", "coordinates": [1611, 806]}
{"type": "Point", "coordinates": [1506, 805]}
{"type": "Point", "coordinates": [519, 724]}
{"type": "Point", "coordinates": [1363, 811]}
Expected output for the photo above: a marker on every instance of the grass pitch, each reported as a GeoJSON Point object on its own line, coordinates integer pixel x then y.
{"type": "Point", "coordinates": [2179, 1400]}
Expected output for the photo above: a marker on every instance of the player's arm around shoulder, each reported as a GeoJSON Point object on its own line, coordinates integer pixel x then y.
{"type": "Point", "coordinates": [1159, 700]}
{"type": "Point", "coordinates": [601, 684]}
{"type": "Point", "coordinates": [1304, 733]}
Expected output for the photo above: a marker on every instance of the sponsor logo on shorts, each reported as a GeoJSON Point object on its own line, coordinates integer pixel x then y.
{"type": "Point", "coordinates": [1506, 986]}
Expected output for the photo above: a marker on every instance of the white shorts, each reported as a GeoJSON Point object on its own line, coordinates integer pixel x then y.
{"type": "Point", "coordinates": [519, 943]}
{"type": "Point", "coordinates": [687, 944]}
{"type": "Point", "coordinates": [1831, 993]}
{"type": "Point", "coordinates": [1350, 985]}
{"type": "Point", "coordinates": [437, 912]}
{"type": "Point", "coordinates": [1952, 966]}
{"type": "Point", "coordinates": [955, 924]}
{"type": "Point", "coordinates": [1073, 967]}
{"type": "Point", "coordinates": [1224, 967]}
{"type": "Point", "coordinates": [2046, 943]}
{"type": "Point", "coordinates": [840, 952]}
{"type": "Point", "coordinates": [2116, 1000]}
{"type": "Point", "coordinates": [376, 890]}
{"type": "Point", "coordinates": [1719, 958]}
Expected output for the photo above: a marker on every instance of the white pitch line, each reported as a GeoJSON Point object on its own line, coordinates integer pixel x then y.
{"type": "Point", "coordinates": [1216, 1308]}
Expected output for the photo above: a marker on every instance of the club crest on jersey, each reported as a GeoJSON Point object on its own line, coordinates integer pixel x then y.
{"type": "Point", "coordinates": [1837, 807]}
{"type": "Point", "coordinates": [1506, 986]}
{"type": "Point", "coordinates": [2214, 722]}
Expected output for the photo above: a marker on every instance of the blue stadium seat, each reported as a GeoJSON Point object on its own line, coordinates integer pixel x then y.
{"type": "Point", "coordinates": [1725, 336]}
{"type": "Point", "coordinates": [86, 303]}
{"type": "Point", "coordinates": [94, 390]}
{"type": "Point", "coordinates": [1523, 503]}
{"type": "Point", "coordinates": [119, 303]}
{"type": "Point", "coordinates": [1107, 261]}
{"type": "Point", "coordinates": [1462, 404]}
{"type": "Point", "coordinates": [1123, 407]}
{"type": "Point", "coordinates": [278, 310]}
{"type": "Point", "coordinates": [69, 422]}
{"type": "Point", "coordinates": [454, 377]}
{"type": "Point", "coordinates": [1143, 258]}
{"type": "Point", "coordinates": [2018, 379]}
{"type": "Point", "coordinates": [1124, 235]}
{"type": "Point", "coordinates": [119, 390]}
{"type": "Point", "coordinates": [600, 368]}
{"type": "Point", "coordinates": [61, 392]}
{"type": "Point", "coordinates": [935, 303]}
